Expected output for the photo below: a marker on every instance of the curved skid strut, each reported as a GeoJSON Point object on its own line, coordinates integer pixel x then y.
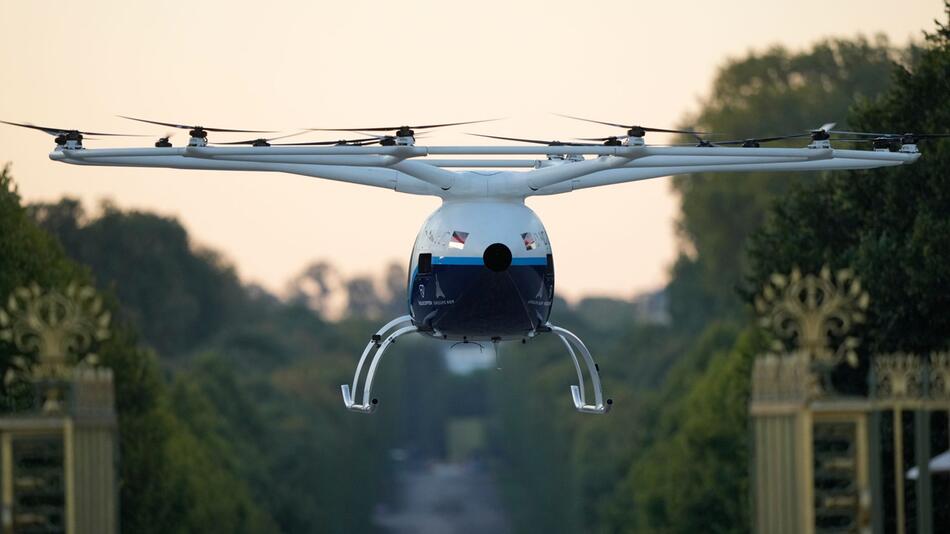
{"type": "Point", "coordinates": [369, 403]}
{"type": "Point", "coordinates": [578, 392]}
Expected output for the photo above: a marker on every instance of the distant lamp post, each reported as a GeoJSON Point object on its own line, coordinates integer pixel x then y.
{"type": "Point", "coordinates": [58, 460]}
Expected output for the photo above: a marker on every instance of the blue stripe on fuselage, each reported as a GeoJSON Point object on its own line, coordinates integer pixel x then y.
{"type": "Point", "coordinates": [457, 260]}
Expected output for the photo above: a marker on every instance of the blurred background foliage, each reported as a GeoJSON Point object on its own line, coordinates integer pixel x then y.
{"type": "Point", "coordinates": [230, 415]}
{"type": "Point", "coordinates": [673, 454]}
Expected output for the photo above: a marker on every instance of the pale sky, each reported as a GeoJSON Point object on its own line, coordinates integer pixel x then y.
{"type": "Point", "coordinates": [287, 65]}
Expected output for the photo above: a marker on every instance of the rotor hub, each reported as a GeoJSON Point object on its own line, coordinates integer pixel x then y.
{"type": "Point", "coordinates": [199, 137]}
{"type": "Point", "coordinates": [881, 143]}
{"type": "Point", "coordinates": [633, 141]}
{"type": "Point", "coordinates": [163, 143]}
{"type": "Point", "coordinates": [71, 139]}
{"type": "Point", "coordinates": [636, 131]}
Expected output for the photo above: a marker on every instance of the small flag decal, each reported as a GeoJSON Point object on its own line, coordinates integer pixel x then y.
{"type": "Point", "coordinates": [458, 240]}
{"type": "Point", "coordinates": [529, 242]}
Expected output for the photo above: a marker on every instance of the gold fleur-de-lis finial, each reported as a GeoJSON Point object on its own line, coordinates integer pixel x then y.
{"type": "Point", "coordinates": [940, 375]}
{"type": "Point", "coordinates": [53, 330]}
{"type": "Point", "coordinates": [898, 376]}
{"type": "Point", "coordinates": [815, 314]}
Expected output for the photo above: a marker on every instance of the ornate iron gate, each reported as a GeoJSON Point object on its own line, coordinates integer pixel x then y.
{"type": "Point", "coordinates": [827, 461]}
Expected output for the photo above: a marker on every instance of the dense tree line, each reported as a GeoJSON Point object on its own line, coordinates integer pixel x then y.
{"type": "Point", "coordinates": [228, 398]}
{"type": "Point", "coordinates": [673, 454]}
{"type": "Point", "coordinates": [159, 485]}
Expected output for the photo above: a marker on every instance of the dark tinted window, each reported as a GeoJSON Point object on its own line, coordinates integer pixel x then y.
{"type": "Point", "coordinates": [425, 263]}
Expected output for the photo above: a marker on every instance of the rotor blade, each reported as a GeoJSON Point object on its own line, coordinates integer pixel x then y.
{"type": "Point", "coordinates": [390, 128]}
{"type": "Point", "coordinates": [381, 137]}
{"type": "Point", "coordinates": [170, 124]}
{"type": "Point", "coordinates": [826, 127]}
{"type": "Point", "coordinates": [386, 129]}
{"type": "Point", "coordinates": [709, 144]}
{"type": "Point", "coordinates": [608, 138]}
{"type": "Point", "coordinates": [892, 135]}
{"type": "Point", "coordinates": [871, 134]}
{"type": "Point", "coordinates": [51, 131]}
{"type": "Point", "coordinates": [359, 142]}
{"type": "Point", "coordinates": [591, 120]}
{"type": "Point", "coordinates": [426, 126]}
{"type": "Point", "coordinates": [631, 126]}
{"type": "Point", "coordinates": [252, 141]}
{"type": "Point", "coordinates": [534, 141]}
{"type": "Point", "coordinates": [186, 127]}
{"type": "Point", "coordinates": [60, 131]}
{"type": "Point", "coordinates": [780, 137]}
{"type": "Point", "coordinates": [113, 134]}
{"type": "Point", "coordinates": [667, 130]}
{"type": "Point", "coordinates": [762, 139]}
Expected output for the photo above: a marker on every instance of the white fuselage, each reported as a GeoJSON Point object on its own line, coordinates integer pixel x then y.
{"type": "Point", "coordinates": [481, 269]}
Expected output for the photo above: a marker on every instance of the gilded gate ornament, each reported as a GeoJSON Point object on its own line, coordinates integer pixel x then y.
{"type": "Point", "coordinates": [820, 461]}
{"type": "Point", "coordinates": [54, 331]}
{"type": "Point", "coordinates": [940, 375]}
{"type": "Point", "coordinates": [898, 376]}
{"type": "Point", "coordinates": [815, 315]}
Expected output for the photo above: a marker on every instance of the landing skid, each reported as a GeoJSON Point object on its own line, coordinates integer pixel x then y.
{"type": "Point", "coordinates": [579, 391]}
{"type": "Point", "coordinates": [404, 325]}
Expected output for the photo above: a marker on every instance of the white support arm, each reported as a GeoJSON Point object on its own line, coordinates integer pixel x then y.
{"type": "Point", "coordinates": [396, 159]}
{"type": "Point", "coordinates": [377, 177]}
{"type": "Point", "coordinates": [212, 151]}
{"type": "Point", "coordinates": [431, 174]}
{"type": "Point", "coordinates": [559, 173]}
{"type": "Point", "coordinates": [601, 150]}
{"type": "Point", "coordinates": [391, 168]}
{"type": "Point", "coordinates": [652, 158]}
{"type": "Point", "coordinates": [539, 178]}
{"type": "Point", "coordinates": [855, 160]}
